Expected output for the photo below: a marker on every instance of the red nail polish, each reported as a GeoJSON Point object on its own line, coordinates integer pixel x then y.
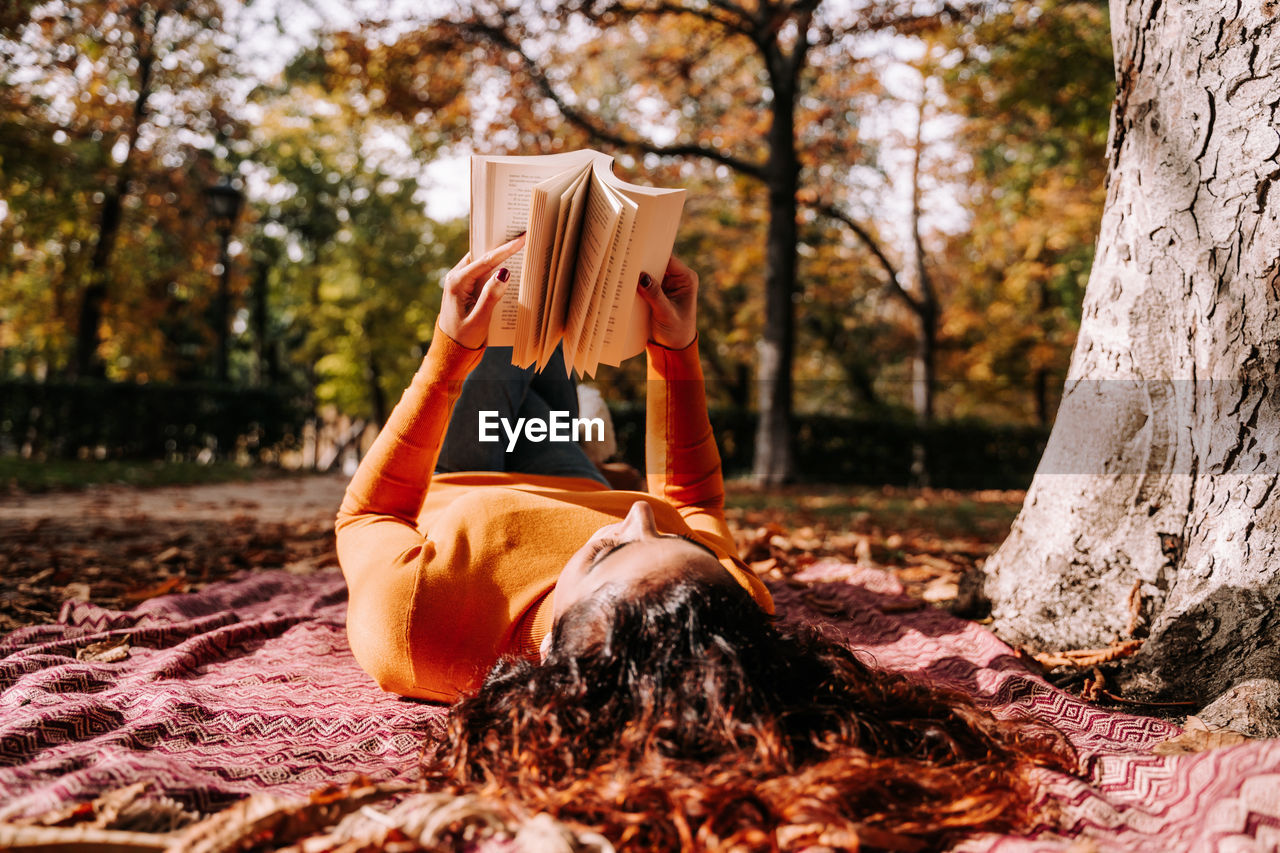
{"type": "Point", "coordinates": [645, 281]}
{"type": "Point", "coordinates": [504, 274]}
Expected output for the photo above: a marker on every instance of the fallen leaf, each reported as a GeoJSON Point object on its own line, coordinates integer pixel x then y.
{"type": "Point", "coordinates": [901, 605]}
{"type": "Point", "coordinates": [281, 819]}
{"type": "Point", "coordinates": [941, 589]}
{"type": "Point", "coordinates": [105, 651]}
{"type": "Point", "coordinates": [78, 591]}
{"type": "Point", "coordinates": [164, 587]}
{"type": "Point", "coordinates": [1197, 736]}
{"type": "Point", "coordinates": [1092, 689]}
{"type": "Point", "coordinates": [1134, 605]}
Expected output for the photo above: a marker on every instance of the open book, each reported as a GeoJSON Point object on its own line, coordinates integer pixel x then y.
{"type": "Point", "coordinates": [590, 235]}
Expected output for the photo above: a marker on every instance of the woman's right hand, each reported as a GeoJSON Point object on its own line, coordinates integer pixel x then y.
{"type": "Point", "coordinates": [471, 292]}
{"type": "Point", "coordinates": [673, 305]}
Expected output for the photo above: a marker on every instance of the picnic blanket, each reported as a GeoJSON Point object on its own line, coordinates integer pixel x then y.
{"type": "Point", "coordinates": [250, 686]}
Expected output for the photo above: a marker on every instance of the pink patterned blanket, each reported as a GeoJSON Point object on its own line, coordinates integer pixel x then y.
{"type": "Point", "coordinates": [250, 686]}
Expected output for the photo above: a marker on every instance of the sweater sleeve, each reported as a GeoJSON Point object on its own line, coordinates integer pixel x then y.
{"type": "Point", "coordinates": [682, 458]}
{"type": "Point", "coordinates": [680, 450]}
{"type": "Point", "coordinates": [379, 545]}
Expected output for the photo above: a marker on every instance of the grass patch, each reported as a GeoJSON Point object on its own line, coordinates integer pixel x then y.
{"type": "Point", "coordinates": [30, 476]}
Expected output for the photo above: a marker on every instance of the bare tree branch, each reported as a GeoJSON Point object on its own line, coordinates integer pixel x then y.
{"type": "Point", "coordinates": [500, 37]}
{"type": "Point", "coordinates": [734, 19]}
{"type": "Point", "coordinates": [698, 94]}
{"type": "Point", "coordinates": [873, 246]}
{"type": "Point", "coordinates": [926, 297]}
{"type": "Point", "coordinates": [734, 8]}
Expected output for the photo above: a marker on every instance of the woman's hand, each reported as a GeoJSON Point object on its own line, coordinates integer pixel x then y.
{"type": "Point", "coordinates": [673, 322]}
{"type": "Point", "coordinates": [471, 292]}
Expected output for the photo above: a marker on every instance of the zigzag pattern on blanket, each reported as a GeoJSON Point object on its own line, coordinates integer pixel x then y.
{"type": "Point", "coordinates": [250, 686]}
{"type": "Point", "coordinates": [1135, 801]}
{"type": "Point", "coordinates": [235, 690]}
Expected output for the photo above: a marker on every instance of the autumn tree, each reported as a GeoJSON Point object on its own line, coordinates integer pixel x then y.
{"type": "Point", "coordinates": [102, 178]}
{"type": "Point", "coordinates": [344, 245]}
{"type": "Point", "coordinates": [767, 90]}
{"type": "Point", "coordinates": [905, 272]}
{"type": "Point", "coordinates": [1032, 85]}
{"type": "Point", "coordinates": [1154, 513]}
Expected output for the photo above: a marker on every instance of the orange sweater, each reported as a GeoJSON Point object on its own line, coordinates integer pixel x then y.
{"type": "Point", "coordinates": [449, 572]}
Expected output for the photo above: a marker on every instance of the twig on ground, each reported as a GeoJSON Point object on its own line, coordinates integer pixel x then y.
{"type": "Point", "coordinates": [1085, 658]}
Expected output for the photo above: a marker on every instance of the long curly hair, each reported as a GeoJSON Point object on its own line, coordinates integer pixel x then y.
{"type": "Point", "coordinates": [683, 718]}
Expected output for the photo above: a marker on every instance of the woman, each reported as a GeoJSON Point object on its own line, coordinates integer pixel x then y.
{"type": "Point", "coordinates": [636, 683]}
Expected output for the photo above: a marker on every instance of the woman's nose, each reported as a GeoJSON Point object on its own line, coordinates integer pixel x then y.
{"type": "Point", "coordinates": [639, 521]}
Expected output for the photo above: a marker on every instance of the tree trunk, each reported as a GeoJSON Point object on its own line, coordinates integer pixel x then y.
{"type": "Point", "coordinates": [1040, 390]}
{"type": "Point", "coordinates": [222, 308]}
{"type": "Point", "coordinates": [1154, 512]}
{"type": "Point", "coordinates": [262, 375]}
{"type": "Point", "coordinates": [88, 361]}
{"type": "Point", "coordinates": [923, 382]}
{"type": "Point", "coordinates": [774, 462]}
{"type": "Point", "coordinates": [924, 300]}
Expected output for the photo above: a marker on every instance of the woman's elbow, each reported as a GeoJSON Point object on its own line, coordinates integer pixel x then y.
{"type": "Point", "coordinates": [378, 628]}
{"type": "Point", "coordinates": [380, 655]}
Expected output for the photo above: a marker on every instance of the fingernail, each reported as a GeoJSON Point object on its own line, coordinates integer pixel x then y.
{"type": "Point", "coordinates": [645, 280]}
{"type": "Point", "coordinates": [504, 274]}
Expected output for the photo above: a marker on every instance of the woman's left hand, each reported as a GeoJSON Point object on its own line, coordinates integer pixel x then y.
{"type": "Point", "coordinates": [471, 292]}
{"type": "Point", "coordinates": [673, 322]}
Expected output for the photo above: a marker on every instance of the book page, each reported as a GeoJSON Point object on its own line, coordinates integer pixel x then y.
{"type": "Point", "coordinates": [537, 255]}
{"type": "Point", "coordinates": [612, 287]}
{"type": "Point", "coordinates": [602, 214]}
{"type": "Point", "coordinates": [568, 232]}
{"type": "Point", "coordinates": [501, 192]}
{"type": "Point", "coordinates": [510, 197]}
{"type": "Point", "coordinates": [549, 213]}
{"type": "Point", "coordinates": [656, 220]}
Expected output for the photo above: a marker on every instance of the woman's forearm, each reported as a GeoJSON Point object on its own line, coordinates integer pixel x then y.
{"type": "Point", "coordinates": [682, 462]}
{"type": "Point", "coordinates": [393, 478]}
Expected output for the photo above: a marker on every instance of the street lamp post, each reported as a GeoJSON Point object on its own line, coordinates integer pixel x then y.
{"type": "Point", "coordinates": [224, 202]}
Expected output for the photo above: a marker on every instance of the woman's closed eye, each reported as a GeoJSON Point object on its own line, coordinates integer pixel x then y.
{"type": "Point", "coordinates": [598, 550]}
{"type": "Point", "coordinates": [693, 542]}
{"type": "Point", "coordinates": [607, 546]}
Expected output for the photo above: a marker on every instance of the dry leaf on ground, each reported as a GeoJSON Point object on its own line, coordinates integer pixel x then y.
{"type": "Point", "coordinates": [1197, 736]}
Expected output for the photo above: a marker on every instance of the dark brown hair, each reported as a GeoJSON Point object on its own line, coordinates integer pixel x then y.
{"type": "Point", "coordinates": [683, 718]}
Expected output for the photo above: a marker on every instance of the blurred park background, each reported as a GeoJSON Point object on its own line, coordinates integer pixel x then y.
{"type": "Point", "coordinates": [223, 224]}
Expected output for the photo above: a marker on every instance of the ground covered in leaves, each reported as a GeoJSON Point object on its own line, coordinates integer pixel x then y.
{"type": "Point", "coordinates": [118, 545]}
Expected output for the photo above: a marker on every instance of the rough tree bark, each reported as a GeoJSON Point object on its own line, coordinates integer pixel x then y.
{"type": "Point", "coordinates": [1154, 511]}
